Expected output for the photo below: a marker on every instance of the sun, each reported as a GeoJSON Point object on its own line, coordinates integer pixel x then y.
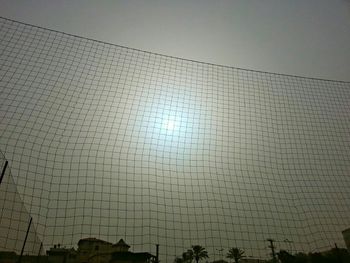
{"type": "Point", "coordinates": [169, 125]}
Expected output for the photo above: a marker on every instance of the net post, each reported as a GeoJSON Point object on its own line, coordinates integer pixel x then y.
{"type": "Point", "coordinates": [3, 171]}
{"type": "Point", "coordinates": [25, 241]}
{"type": "Point", "coordinates": [38, 257]}
{"type": "Point", "coordinates": [157, 253]}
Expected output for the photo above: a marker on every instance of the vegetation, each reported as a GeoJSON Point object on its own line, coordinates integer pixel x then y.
{"type": "Point", "coordinates": [199, 253]}
{"type": "Point", "coordinates": [186, 257]}
{"type": "Point", "coordinates": [220, 261]}
{"type": "Point", "coordinates": [335, 255]}
{"type": "Point", "coordinates": [236, 254]}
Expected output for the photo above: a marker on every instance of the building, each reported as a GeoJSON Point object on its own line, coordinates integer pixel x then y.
{"type": "Point", "coordinates": [58, 255]}
{"type": "Point", "coordinates": [128, 257]}
{"type": "Point", "coordinates": [92, 250]}
{"type": "Point", "coordinates": [122, 254]}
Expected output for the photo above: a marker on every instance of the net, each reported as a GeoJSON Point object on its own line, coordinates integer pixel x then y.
{"type": "Point", "coordinates": [111, 142]}
{"type": "Point", "coordinates": [16, 230]}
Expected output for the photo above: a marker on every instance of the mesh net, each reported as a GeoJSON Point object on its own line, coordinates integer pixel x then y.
{"type": "Point", "coordinates": [110, 142]}
{"type": "Point", "coordinates": [15, 220]}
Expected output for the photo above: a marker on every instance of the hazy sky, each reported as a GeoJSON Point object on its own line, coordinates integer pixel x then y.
{"type": "Point", "coordinates": [112, 142]}
{"type": "Point", "coordinates": [307, 38]}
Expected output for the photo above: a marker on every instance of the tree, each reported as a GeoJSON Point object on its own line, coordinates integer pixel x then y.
{"type": "Point", "coordinates": [317, 257]}
{"type": "Point", "coordinates": [199, 253]}
{"type": "Point", "coordinates": [285, 257]}
{"type": "Point", "coordinates": [337, 255]}
{"type": "Point", "coordinates": [301, 258]}
{"type": "Point", "coordinates": [220, 261]}
{"type": "Point", "coordinates": [236, 254]}
{"type": "Point", "coordinates": [187, 256]}
{"type": "Point", "coordinates": [178, 260]}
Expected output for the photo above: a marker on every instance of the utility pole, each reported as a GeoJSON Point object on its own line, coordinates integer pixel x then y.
{"type": "Point", "coordinates": [272, 249]}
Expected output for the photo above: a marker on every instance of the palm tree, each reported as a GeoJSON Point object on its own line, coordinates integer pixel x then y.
{"type": "Point", "coordinates": [235, 253]}
{"type": "Point", "coordinates": [199, 253]}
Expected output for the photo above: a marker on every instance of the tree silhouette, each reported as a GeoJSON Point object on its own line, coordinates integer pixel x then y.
{"type": "Point", "coordinates": [236, 254]}
{"type": "Point", "coordinates": [285, 257]}
{"type": "Point", "coordinates": [199, 253]}
{"type": "Point", "coordinates": [317, 257]}
{"type": "Point", "coordinates": [179, 260]}
{"type": "Point", "coordinates": [301, 258]}
{"type": "Point", "coordinates": [187, 256]}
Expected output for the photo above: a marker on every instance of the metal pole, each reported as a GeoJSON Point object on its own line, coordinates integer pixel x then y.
{"type": "Point", "coordinates": [41, 246]}
{"type": "Point", "coordinates": [157, 253]}
{"type": "Point", "coordinates": [25, 241]}
{"type": "Point", "coordinates": [337, 252]}
{"type": "Point", "coordinates": [272, 249]}
{"type": "Point", "coordinates": [3, 171]}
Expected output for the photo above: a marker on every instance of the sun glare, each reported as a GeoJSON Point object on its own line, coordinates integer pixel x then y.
{"type": "Point", "coordinates": [170, 125]}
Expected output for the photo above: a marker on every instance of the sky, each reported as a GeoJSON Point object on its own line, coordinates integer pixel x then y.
{"type": "Point", "coordinates": [112, 142]}
{"type": "Point", "coordinates": [305, 38]}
